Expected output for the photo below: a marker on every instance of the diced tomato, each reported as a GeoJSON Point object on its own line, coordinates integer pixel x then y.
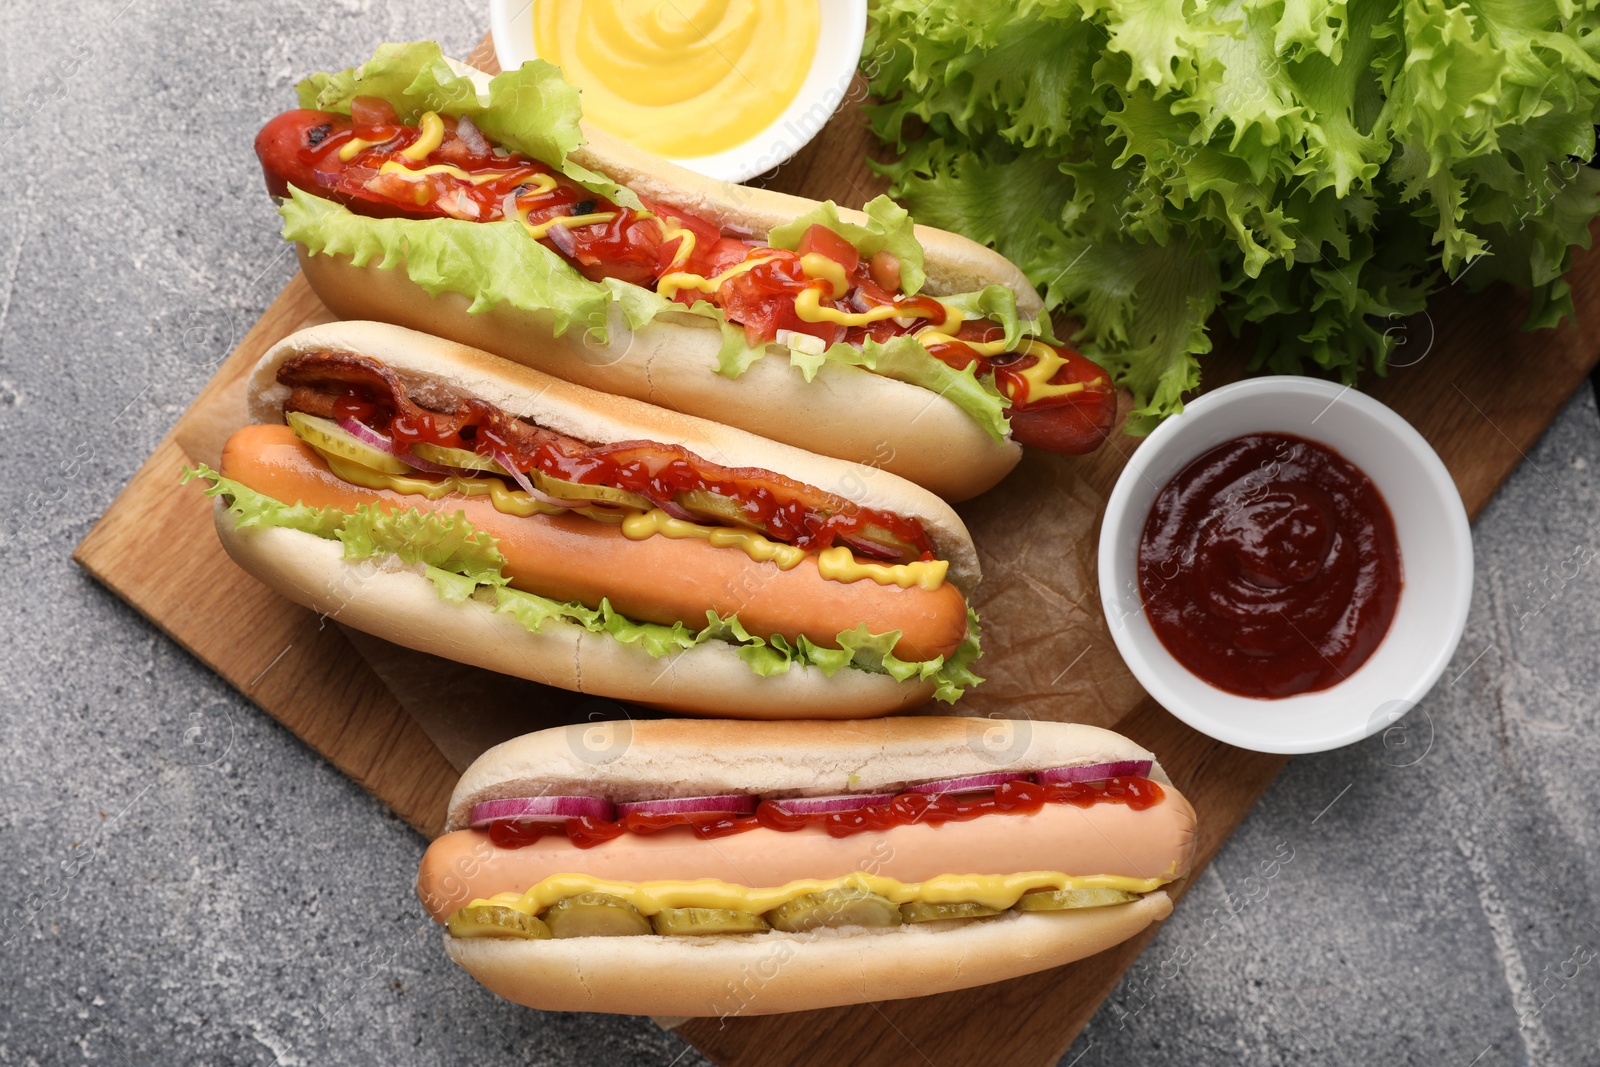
{"type": "Point", "coordinates": [762, 300]}
{"type": "Point", "coordinates": [825, 242]}
{"type": "Point", "coordinates": [726, 253]}
{"type": "Point", "coordinates": [786, 318]}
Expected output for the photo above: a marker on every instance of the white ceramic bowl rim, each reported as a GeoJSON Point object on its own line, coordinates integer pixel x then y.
{"type": "Point", "coordinates": [1435, 548]}
{"type": "Point", "coordinates": [826, 86]}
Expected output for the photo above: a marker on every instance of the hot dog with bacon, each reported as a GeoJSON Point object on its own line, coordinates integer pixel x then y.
{"type": "Point", "coordinates": [721, 868]}
{"type": "Point", "coordinates": [453, 502]}
{"type": "Point", "coordinates": [420, 196]}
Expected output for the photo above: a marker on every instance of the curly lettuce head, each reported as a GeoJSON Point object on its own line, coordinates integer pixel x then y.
{"type": "Point", "coordinates": [1314, 167]}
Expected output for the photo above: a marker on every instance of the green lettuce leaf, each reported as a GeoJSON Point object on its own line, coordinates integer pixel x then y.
{"type": "Point", "coordinates": [443, 542]}
{"type": "Point", "coordinates": [956, 675]}
{"type": "Point", "coordinates": [465, 563]}
{"type": "Point", "coordinates": [766, 658]}
{"type": "Point", "coordinates": [904, 359]}
{"type": "Point", "coordinates": [889, 229]}
{"type": "Point", "coordinates": [656, 638]}
{"type": "Point", "coordinates": [1312, 170]}
{"type": "Point", "coordinates": [998, 304]}
{"type": "Point", "coordinates": [534, 611]}
{"type": "Point", "coordinates": [250, 508]}
{"type": "Point", "coordinates": [491, 262]}
{"type": "Point", "coordinates": [456, 588]}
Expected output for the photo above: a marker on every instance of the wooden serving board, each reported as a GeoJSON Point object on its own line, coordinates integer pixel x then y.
{"type": "Point", "coordinates": [1482, 392]}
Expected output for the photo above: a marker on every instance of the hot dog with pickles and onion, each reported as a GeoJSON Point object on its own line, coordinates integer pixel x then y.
{"type": "Point", "coordinates": [420, 196]}
{"type": "Point", "coordinates": [462, 505]}
{"type": "Point", "coordinates": [722, 868]}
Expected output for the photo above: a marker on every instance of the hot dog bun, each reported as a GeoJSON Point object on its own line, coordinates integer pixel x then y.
{"type": "Point", "coordinates": [403, 606]}
{"type": "Point", "coordinates": [400, 605]}
{"type": "Point", "coordinates": [775, 971]}
{"type": "Point", "coordinates": [728, 976]}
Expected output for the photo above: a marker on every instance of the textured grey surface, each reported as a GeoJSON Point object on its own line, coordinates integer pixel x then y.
{"type": "Point", "coordinates": [187, 883]}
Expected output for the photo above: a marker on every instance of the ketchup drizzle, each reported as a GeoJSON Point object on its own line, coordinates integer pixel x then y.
{"type": "Point", "coordinates": [665, 474]}
{"type": "Point", "coordinates": [1019, 797]}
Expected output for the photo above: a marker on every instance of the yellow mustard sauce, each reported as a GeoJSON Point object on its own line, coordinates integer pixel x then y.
{"type": "Point", "coordinates": [836, 564]}
{"type": "Point", "coordinates": [681, 78]}
{"type": "Point", "coordinates": [992, 890]}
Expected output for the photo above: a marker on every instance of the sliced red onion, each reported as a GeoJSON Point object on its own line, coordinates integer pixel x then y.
{"type": "Point", "coordinates": [510, 467]}
{"type": "Point", "coordinates": [476, 143]}
{"type": "Point", "coordinates": [543, 497]}
{"type": "Point", "coordinates": [677, 510]}
{"type": "Point", "coordinates": [373, 439]}
{"type": "Point", "coordinates": [829, 805]}
{"type": "Point", "coordinates": [731, 804]}
{"type": "Point", "coordinates": [425, 465]}
{"type": "Point", "coordinates": [539, 809]}
{"type": "Point", "coordinates": [557, 502]}
{"type": "Point", "coordinates": [1095, 772]}
{"type": "Point", "coordinates": [366, 435]}
{"type": "Point", "coordinates": [869, 548]}
{"type": "Point", "coordinates": [970, 783]}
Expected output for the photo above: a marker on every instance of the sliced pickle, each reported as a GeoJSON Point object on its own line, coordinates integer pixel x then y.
{"type": "Point", "coordinates": [1061, 899]}
{"type": "Point", "coordinates": [878, 535]}
{"type": "Point", "coordinates": [491, 920]}
{"type": "Point", "coordinates": [716, 506]}
{"type": "Point", "coordinates": [456, 457]}
{"type": "Point", "coordinates": [920, 911]}
{"type": "Point", "coordinates": [605, 494]}
{"type": "Point", "coordinates": [691, 921]}
{"type": "Point", "coordinates": [325, 435]}
{"type": "Point", "coordinates": [594, 915]}
{"type": "Point", "coordinates": [834, 907]}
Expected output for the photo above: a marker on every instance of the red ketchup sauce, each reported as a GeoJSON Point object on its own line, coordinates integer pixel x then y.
{"type": "Point", "coordinates": [1011, 798]}
{"type": "Point", "coordinates": [656, 471]}
{"type": "Point", "coordinates": [1269, 566]}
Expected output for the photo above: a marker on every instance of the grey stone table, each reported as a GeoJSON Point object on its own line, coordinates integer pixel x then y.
{"type": "Point", "coordinates": [250, 905]}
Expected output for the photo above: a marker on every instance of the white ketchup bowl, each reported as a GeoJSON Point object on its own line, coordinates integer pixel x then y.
{"type": "Point", "coordinates": [1430, 523]}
